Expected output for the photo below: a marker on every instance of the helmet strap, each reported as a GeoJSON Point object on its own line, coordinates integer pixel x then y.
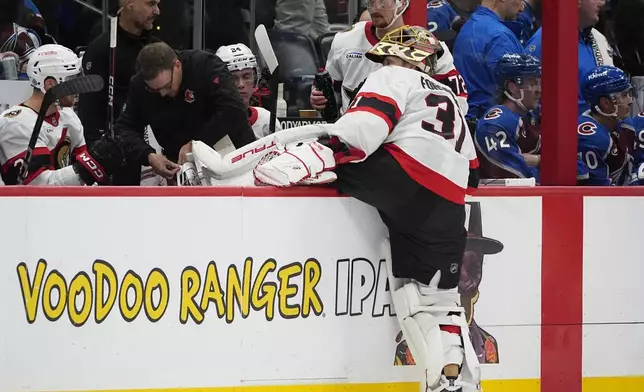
{"type": "Point", "coordinates": [397, 13]}
{"type": "Point", "coordinates": [518, 101]}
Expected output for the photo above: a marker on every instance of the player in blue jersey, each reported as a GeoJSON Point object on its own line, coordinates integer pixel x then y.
{"type": "Point", "coordinates": [609, 94]}
{"type": "Point", "coordinates": [508, 147]}
{"type": "Point", "coordinates": [482, 41]}
{"type": "Point", "coordinates": [445, 15]}
{"type": "Point", "coordinates": [635, 128]}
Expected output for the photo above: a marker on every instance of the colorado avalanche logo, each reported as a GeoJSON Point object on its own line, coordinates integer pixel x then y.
{"type": "Point", "coordinates": [435, 4]}
{"type": "Point", "coordinates": [493, 114]}
{"type": "Point", "coordinates": [587, 128]}
{"type": "Point", "coordinates": [190, 96]}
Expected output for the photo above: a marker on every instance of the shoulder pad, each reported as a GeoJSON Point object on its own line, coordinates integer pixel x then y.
{"type": "Point", "coordinates": [641, 114]}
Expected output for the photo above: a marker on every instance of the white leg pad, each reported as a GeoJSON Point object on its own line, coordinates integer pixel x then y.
{"type": "Point", "coordinates": [421, 310]}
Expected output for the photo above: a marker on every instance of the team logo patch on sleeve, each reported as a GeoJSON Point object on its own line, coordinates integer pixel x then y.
{"type": "Point", "coordinates": [349, 28]}
{"type": "Point", "coordinates": [587, 128]}
{"type": "Point", "coordinates": [493, 114]}
{"type": "Point", "coordinates": [13, 113]}
{"type": "Point", "coordinates": [190, 96]}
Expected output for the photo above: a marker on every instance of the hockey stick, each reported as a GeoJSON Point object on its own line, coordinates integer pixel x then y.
{"type": "Point", "coordinates": [110, 89]}
{"type": "Point", "coordinates": [266, 49]}
{"type": "Point", "coordinates": [77, 85]}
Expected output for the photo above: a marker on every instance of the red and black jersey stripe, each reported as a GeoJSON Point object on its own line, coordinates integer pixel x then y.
{"type": "Point", "coordinates": [380, 105]}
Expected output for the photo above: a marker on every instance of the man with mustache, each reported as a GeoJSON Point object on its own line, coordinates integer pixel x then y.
{"type": "Point", "coordinates": [135, 23]}
{"type": "Point", "coordinates": [348, 66]}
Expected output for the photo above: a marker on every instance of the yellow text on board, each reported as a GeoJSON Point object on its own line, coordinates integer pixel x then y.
{"type": "Point", "coordinates": [291, 290]}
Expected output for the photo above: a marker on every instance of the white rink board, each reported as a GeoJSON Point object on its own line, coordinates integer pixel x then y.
{"type": "Point", "coordinates": [181, 235]}
{"type": "Point", "coordinates": [613, 288]}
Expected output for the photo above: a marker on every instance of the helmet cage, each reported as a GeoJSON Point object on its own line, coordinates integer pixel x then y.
{"type": "Point", "coordinates": [412, 44]}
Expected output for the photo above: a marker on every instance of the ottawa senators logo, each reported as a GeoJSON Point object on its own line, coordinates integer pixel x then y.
{"type": "Point", "coordinates": [61, 153]}
{"type": "Point", "coordinates": [190, 96]}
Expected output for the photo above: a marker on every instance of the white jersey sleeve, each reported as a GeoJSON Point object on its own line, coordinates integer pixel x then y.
{"type": "Point", "coordinates": [447, 74]}
{"type": "Point", "coordinates": [260, 121]}
{"type": "Point", "coordinates": [52, 148]}
{"type": "Point", "coordinates": [347, 62]}
{"type": "Point", "coordinates": [373, 114]}
{"type": "Point", "coordinates": [333, 64]}
{"type": "Point", "coordinates": [75, 130]}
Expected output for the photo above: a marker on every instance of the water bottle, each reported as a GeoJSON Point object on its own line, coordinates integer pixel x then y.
{"type": "Point", "coordinates": [10, 68]}
{"type": "Point", "coordinates": [324, 83]}
{"type": "Point", "coordinates": [281, 109]}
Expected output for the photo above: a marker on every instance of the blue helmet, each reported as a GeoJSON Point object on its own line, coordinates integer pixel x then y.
{"type": "Point", "coordinates": [514, 67]}
{"type": "Point", "coordinates": [604, 81]}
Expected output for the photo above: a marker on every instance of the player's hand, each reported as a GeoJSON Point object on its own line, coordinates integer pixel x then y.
{"type": "Point", "coordinates": [163, 166]}
{"type": "Point", "coordinates": [104, 157]}
{"type": "Point", "coordinates": [317, 99]}
{"type": "Point", "coordinates": [187, 148]}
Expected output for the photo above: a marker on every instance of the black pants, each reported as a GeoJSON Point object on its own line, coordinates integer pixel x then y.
{"type": "Point", "coordinates": [427, 232]}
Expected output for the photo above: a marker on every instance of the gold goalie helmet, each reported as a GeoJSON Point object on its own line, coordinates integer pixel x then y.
{"type": "Point", "coordinates": [413, 44]}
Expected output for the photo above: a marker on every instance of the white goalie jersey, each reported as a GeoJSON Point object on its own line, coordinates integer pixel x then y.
{"type": "Point", "coordinates": [419, 122]}
{"type": "Point", "coordinates": [347, 64]}
{"type": "Point", "coordinates": [60, 139]}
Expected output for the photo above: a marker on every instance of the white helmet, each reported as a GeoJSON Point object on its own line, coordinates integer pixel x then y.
{"type": "Point", "coordinates": [52, 61]}
{"type": "Point", "coordinates": [238, 57]}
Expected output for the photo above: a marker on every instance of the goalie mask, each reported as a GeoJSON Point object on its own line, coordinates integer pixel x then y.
{"type": "Point", "coordinates": [414, 45]}
{"type": "Point", "coordinates": [52, 61]}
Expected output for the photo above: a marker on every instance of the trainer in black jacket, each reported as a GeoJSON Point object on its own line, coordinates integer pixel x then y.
{"type": "Point", "coordinates": [183, 96]}
{"type": "Point", "coordinates": [134, 32]}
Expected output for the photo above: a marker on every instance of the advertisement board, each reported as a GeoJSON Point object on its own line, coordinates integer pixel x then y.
{"type": "Point", "coordinates": [232, 289]}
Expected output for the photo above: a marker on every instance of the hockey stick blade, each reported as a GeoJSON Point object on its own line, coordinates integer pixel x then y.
{"type": "Point", "coordinates": [78, 85]}
{"type": "Point", "coordinates": [265, 48]}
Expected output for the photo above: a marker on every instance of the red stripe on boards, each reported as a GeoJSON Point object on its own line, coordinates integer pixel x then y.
{"type": "Point", "coordinates": [562, 293]}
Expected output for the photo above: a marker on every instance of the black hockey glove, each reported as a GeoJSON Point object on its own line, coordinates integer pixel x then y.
{"type": "Point", "coordinates": [104, 157]}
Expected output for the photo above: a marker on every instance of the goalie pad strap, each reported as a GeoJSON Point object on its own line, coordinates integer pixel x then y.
{"type": "Point", "coordinates": [453, 329]}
